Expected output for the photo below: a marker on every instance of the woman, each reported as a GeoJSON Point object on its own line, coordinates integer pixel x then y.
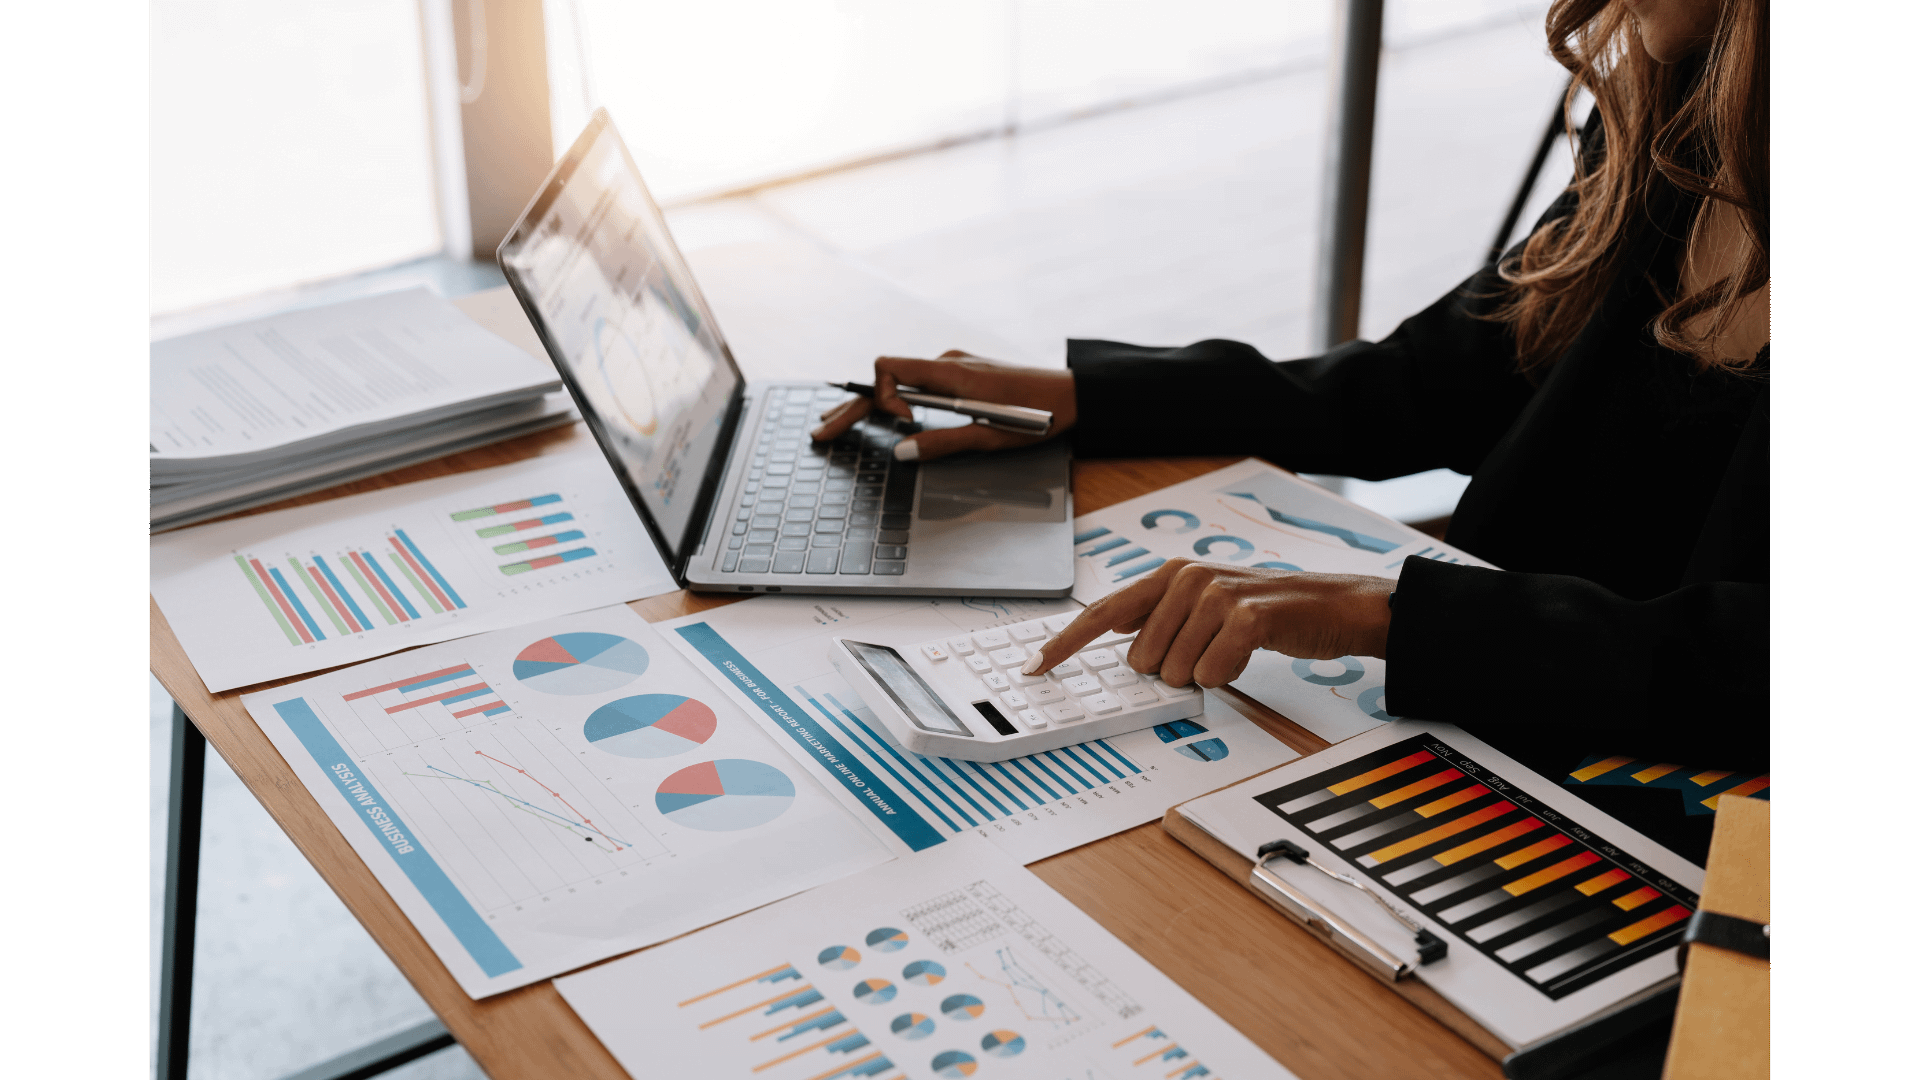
{"type": "Point", "coordinates": [1606, 387]}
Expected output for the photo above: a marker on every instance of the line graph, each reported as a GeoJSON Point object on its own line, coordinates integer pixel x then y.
{"type": "Point", "coordinates": [581, 825]}
{"type": "Point", "coordinates": [1029, 995]}
{"type": "Point", "coordinates": [513, 814]}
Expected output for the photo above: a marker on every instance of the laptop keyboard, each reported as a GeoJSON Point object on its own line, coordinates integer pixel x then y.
{"type": "Point", "coordinates": [810, 508]}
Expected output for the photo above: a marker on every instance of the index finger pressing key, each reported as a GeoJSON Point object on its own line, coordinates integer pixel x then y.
{"type": "Point", "coordinates": [1104, 614]}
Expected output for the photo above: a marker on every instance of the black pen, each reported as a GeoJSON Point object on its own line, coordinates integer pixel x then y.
{"type": "Point", "coordinates": [1016, 418]}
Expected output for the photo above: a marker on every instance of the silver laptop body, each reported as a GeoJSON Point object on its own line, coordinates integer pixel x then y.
{"type": "Point", "coordinates": [734, 493]}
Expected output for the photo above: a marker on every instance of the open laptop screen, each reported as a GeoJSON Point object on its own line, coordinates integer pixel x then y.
{"type": "Point", "coordinates": [592, 258]}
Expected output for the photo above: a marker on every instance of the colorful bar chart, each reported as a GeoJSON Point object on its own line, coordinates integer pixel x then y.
{"type": "Point", "coordinates": [468, 696]}
{"type": "Point", "coordinates": [545, 561]}
{"type": "Point", "coordinates": [523, 526]}
{"type": "Point", "coordinates": [1699, 789]}
{"type": "Point", "coordinates": [536, 542]}
{"type": "Point", "coordinates": [967, 794]}
{"type": "Point", "coordinates": [1543, 898]}
{"type": "Point", "coordinates": [505, 507]}
{"type": "Point", "coordinates": [802, 1035]}
{"type": "Point", "coordinates": [350, 592]}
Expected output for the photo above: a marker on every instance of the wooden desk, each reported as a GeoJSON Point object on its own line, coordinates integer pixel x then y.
{"type": "Point", "coordinates": [1315, 1012]}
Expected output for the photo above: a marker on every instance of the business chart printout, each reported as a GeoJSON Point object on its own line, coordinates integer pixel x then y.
{"type": "Point", "coordinates": [543, 797]}
{"type": "Point", "coordinates": [952, 964]}
{"type": "Point", "coordinates": [279, 594]}
{"type": "Point", "coordinates": [770, 656]}
{"type": "Point", "coordinates": [1551, 910]}
{"type": "Point", "coordinates": [1252, 514]}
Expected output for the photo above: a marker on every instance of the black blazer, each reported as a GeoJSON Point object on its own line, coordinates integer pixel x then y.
{"type": "Point", "coordinates": [1622, 493]}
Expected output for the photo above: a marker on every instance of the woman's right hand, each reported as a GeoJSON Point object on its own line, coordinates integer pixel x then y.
{"type": "Point", "coordinates": [957, 374]}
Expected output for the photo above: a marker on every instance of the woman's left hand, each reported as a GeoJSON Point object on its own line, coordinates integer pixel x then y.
{"type": "Point", "coordinates": [1200, 622]}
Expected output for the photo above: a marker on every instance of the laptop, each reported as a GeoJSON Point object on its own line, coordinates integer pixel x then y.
{"type": "Point", "coordinates": [722, 471]}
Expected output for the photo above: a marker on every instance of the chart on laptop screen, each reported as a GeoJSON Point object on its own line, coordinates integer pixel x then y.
{"type": "Point", "coordinates": [635, 335]}
{"type": "Point", "coordinates": [1542, 897]}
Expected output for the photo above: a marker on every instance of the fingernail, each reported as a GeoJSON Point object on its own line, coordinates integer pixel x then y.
{"type": "Point", "coordinates": [909, 450]}
{"type": "Point", "coordinates": [816, 433]}
{"type": "Point", "coordinates": [1033, 665]}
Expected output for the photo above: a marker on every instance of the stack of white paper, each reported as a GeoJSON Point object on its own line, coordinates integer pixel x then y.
{"type": "Point", "coordinates": [258, 411]}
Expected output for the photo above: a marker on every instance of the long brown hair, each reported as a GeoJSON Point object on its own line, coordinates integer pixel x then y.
{"type": "Point", "coordinates": [1696, 130]}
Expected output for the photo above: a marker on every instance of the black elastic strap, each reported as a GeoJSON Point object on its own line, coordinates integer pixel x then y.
{"type": "Point", "coordinates": [1729, 932]}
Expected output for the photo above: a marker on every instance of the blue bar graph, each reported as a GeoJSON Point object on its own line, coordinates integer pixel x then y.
{"type": "Point", "coordinates": [463, 673]}
{"type": "Point", "coordinates": [1090, 534]}
{"type": "Point", "coordinates": [1118, 541]}
{"type": "Point", "coordinates": [1139, 568]}
{"type": "Point", "coordinates": [341, 590]}
{"type": "Point", "coordinates": [298, 607]}
{"type": "Point", "coordinates": [391, 587]}
{"type": "Point", "coordinates": [431, 569]}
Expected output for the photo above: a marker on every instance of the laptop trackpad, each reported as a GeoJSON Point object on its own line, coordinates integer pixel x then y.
{"type": "Point", "coordinates": [1012, 485]}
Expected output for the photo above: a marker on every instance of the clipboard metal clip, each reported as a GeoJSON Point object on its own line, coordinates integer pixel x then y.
{"type": "Point", "coordinates": [1341, 934]}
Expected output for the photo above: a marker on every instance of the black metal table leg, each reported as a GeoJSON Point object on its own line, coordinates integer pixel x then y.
{"type": "Point", "coordinates": [187, 778]}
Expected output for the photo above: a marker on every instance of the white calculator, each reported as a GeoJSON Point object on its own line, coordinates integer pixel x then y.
{"type": "Point", "coordinates": [964, 696]}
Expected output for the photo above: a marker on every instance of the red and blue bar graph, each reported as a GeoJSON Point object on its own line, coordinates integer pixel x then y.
{"type": "Point", "coordinates": [312, 593]}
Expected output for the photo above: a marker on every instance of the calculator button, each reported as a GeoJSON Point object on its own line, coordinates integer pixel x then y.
{"type": "Point", "coordinates": [1138, 695]}
{"type": "Point", "coordinates": [1014, 699]}
{"type": "Point", "coordinates": [992, 639]}
{"type": "Point", "coordinates": [1027, 632]}
{"type": "Point", "coordinates": [1119, 676]}
{"type": "Point", "coordinates": [1057, 623]}
{"type": "Point", "coordinates": [979, 664]}
{"type": "Point", "coordinates": [1174, 693]}
{"type": "Point", "coordinates": [934, 652]}
{"type": "Point", "coordinates": [1068, 668]}
{"type": "Point", "coordinates": [1081, 685]}
{"type": "Point", "coordinates": [1030, 719]}
{"type": "Point", "coordinates": [1049, 693]}
{"type": "Point", "coordinates": [1101, 704]}
{"type": "Point", "coordinates": [1064, 712]}
{"type": "Point", "coordinates": [1010, 657]}
{"type": "Point", "coordinates": [1016, 678]}
{"type": "Point", "coordinates": [995, 681]}
{"type": "Point", "coordinates": [961, 646]}
{"type": "Point", "coordinates": [1099, 658]}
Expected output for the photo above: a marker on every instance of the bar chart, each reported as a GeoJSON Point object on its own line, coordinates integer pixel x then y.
{"type": "Point", "coordinates": [523, 544]}
{"type": "Point", "coordinates": [1699, 789]}
{"type": "Point", "coordinates": [1543, 898]}
{"type": "Point", "coordinates": [351, 591]}
{"type": "Point", "coordinates": [962, 795]}
{"type": "Point", "coordinates": [796, 1033]}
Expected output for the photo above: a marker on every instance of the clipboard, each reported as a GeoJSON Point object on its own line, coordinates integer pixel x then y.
{"type": "Point", "coordinates": [1460, 825]}
{"type": "Point", "coordinates": [1428, 1000]}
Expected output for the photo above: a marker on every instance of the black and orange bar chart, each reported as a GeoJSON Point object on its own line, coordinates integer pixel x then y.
{"type": "Point", "coordinates": [1539, 895]}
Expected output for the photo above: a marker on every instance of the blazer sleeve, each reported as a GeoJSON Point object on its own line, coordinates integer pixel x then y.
{"type": "Point", "coordinates": [1542, 657]}
{"type": "Point", "coordinates": [1441, 390]}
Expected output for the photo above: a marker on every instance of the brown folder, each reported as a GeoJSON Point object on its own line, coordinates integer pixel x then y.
{"type": "Point", "coordinates": [1721, 1029]}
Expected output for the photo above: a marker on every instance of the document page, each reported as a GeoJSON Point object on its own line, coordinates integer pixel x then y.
{"type": "Point", "coordinates": [543, 797]}
{"type": "Point", "coordinates": [1252, 514]}
{"type": "Point", "coordinates": [225, 396]}
{"type": "Point", "coordinates": [770, 657]}
{"type": "Point", "coordinates": [948, 965]}
{"type": "Point", "coordinates": [298, 590]}
{"type": "Point", "coordinates": [1551, 910]}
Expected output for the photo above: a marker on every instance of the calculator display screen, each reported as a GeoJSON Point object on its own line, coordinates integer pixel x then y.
{"type": "Point", "coordinates": [907, 689]}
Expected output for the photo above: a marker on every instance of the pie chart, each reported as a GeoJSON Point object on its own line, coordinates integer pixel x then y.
{"type": "Point", "coordinates": [954, 1065]}
{"type": "Point", "coordinates": [913, 1025]}
{"type": "Point", "coordinates": [580, 663]}
{"type": "Point", "coordinates": [839, 957]}
{"type": "Point", "coordinates": [923, 973]}
{"type": "Point", "coordinates": [962, 1007]}
{"type": "Point", "coordinates": [1203, 750]}
{"type": "Point", "coordinates": [874, 991]}
{"type": "Point", "coordinates": [650, 726]}
{"type": "Point", "coordinates": [1351, 671]}
{"type": "Point", "coordinates": [887, 939]}
{"type": "Point", "coordinates": [1003, 1043]}
{"type": "Point", "coordinates": [725, 796]}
